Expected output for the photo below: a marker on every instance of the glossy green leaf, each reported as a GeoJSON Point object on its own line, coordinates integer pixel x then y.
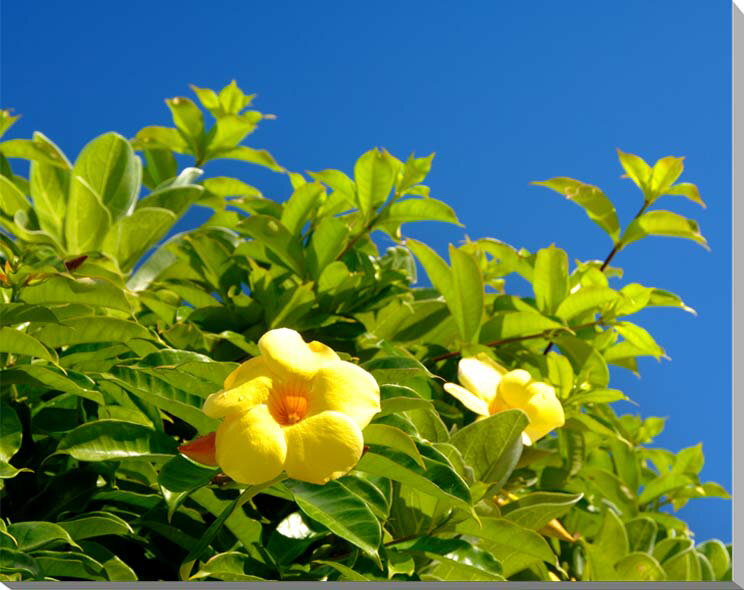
{"type": "Point", "coordinates": [663, 223]}
{"type": "Point", "coordinates": [85, 290]}
{"type": "Point", "coordinates": [11, 432]}
{"type": "Point", "coordinates": [181, 474]}
{"type": "Point", "coordinates": [662, 485]}
{"type": "Point", "coordinates": [60, 564]}
{"type": "Point", "coordinates": [12, 560]}
{"type": "Point", "coordinates": [326, 244]}
{"type": "Point", "coordinates": [688, 190]}
{"type": "Point", "coordinates": [438, 479]}
{"type": "Point", "coordinates": [33, 535]}
{"type": "Point", "coordinates": [394, 438]}
{"type": "Point", "coordinates": [251, 155]}
{"type": "Point", "coordinates": [550, 278]}
{"type": "Point", "coordinates": [87, 219]}
{"type": "Point", "coordinates": [344, 513]}
{"type": "Point", "coordinates": [639, 567]}
{"type": "Point", "coordinates": [112, 171]}
{"type": "Point", "coordinates": [717, 555]}
{"type": "Point", "coordinates": [298, 209]}
{"type": "Point", "coordinates": [277, 238]}
{"type": "Point", "coordinates": [228, 567]}
{"type": "Point", "coordinates": [586, 299]}
{"type": "Point", "coordinates": [514, 546]}
{"type": "Point", "coordinates": [374, 176]}
{"type": "Point", "coordinates": [598, 207]}
{"type": "Point", "coordinates": [150, 224]}
{"type": "Point", "coordinates": [535, 510]}
{"type": "Point", "coordinates": [346, 572]}
{"type": "Point", "coordinates": [516, 324]}
{"type": "Point", "coordinates": [492, 446]}
{"type": "Point", "coordinates": [96, 524]}
{"type": "Point", "coordinates": [113, 440]}
{"type": "Point", "coordinates": [641, 534]}
{"type": "Point", "coordinates": [684, 566]}
{"type": "Point", "coordinates": [467, 304]}
{"type": "Point", "coordinates": [410, 210]}
{"type": "Point", "coordinates": [636, 169]}
{"type": "Point", "coordinates": [17, 342]}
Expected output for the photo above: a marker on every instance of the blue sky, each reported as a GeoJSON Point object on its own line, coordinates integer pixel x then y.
{"type": "Point", "coordinates": [503, 92]}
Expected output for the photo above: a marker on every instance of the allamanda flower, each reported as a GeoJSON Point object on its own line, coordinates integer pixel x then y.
{"type": "Point", "coordinates": [296, 408]}
{"type": "Point", "coordinates": [488, 388]}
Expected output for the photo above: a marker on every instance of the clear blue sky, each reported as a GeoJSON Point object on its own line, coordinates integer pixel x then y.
{"type": "Point", "coordinates": [503, 92]}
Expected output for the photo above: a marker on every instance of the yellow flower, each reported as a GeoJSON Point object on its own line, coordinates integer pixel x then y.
{"type": "Point", "coordinates": [296, 408]}
{"type": "Point", "coordinates": [488, 388]}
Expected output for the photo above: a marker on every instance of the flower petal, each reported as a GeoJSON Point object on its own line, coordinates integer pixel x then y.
{"type": "Point", "coordinates": [322, 447]}
{"type": "Point", "coordinates": [513, 388]}
{"type": "Point", "coordinates": [347, 388]}
{"type": "Point", "coordinates": [480, 375]}
{"type": "Point", "coordinates": [251, 447]}
{"type": "Point", "coordinates": [544, 411]}
{"type": "Point", "coordinates": [285, 351]}
{"type": "Point", "coordinates": [247, 386]}
{"type": "Point", "coordinates": [470, 401]}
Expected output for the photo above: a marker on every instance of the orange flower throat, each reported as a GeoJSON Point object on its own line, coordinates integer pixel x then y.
{"type": "Point", "coordinates": [288, 403]}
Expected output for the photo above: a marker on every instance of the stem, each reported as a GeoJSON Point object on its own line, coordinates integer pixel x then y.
{"type": "Point", "coordinates": [368, 226]}
{"type": "Point", "coordinates": [615, 249]}
{"type": "Point", "coordinates": [543, 334]}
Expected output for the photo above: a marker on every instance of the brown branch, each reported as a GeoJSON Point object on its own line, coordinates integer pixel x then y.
{"type": "Point", "coordinates": [543, 334]}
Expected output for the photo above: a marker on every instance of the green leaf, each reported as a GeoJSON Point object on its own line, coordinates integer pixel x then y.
{"type": "Point", "coordinates": [639, 567]}
{"type": "Point", "coordinates": [161, 138]}
{"type": "Point", "coordinates": [662, 485]}
{"type": "Point", "coordinates": [492, 446]}
{"type": "Point", "coordinates": [686, 189]}
{"type": "Point", "coordinates": [612, 540]}
{"type": "Point", "coordinates": [176, 199]}
{"type": "Point", "coordinates": [17, 342]}
{"type": "Point", "coordinates": [588, 363]}
{"type": "Point", "coordinates": [17, 561]}
{"type": "Point", "coordinates": [113, 440]}
{"type": "Point", "coordinates": [277, 238]}
{"type": "Point", "coordinates": [174, 392]}
{"type": "Point", "coordinates": [535, 510]}
{"type": "Point", "coordinates": [96, 524]}
{"type": "Point", "coordinates": [92, 329]}
{"type": "Point", "coordinates": [229, 566]}
{"type": "Point", "coordinates": [346, 572]}
{"type": "Point", "coordinates": [246, 530]}
{"type": "Point", "coordinates": [717, 555]}
{"type": "Point", "coordinates": [251, 155]}
{"type": "Point", "coordinates": [110, 168]}
{"type": "Point", "coordinates": [410, 210]}
{"type": "Point", "coordinates": [664, 174]}
{"type": "Point", "coordinates": [690, 460]}
{"type": "Point", "coordinates": [33, 535]}
{"type": "Point", "coordinates": [19, 313]}
{"type": "Point", "coordinates": [663, 223]}
{"type": "Point", "coordinates": [641, 534]}
{"type": "Point", "coordinates": [636, 169]}
{"type": "Point", "coordinates": [189, 120]}
{"type": "Point", "coordinates": [515, 324]}
{"type": "Point", "coordinates": [85, 290]}
{"type": "Point", "coordinates": [11, 432]}
{"type": "Point", "coordinates": [326, 244]}
{"type": "Point", "coordinates": [49, 185]}
{"type": "Point", "coordinates": [586, 299]}
{"type": "Point", "coordinates": [468, 293]}
{"type": "Point", "coordinates": [53, 378]}
{"type": "Point", "coordinates": [639, 338]}
{"type": "Point", "coordinates": [456, 559]}
{"type": "Point", "coordinates": [298, 209]}
{"type": "Point", "coordinates": [11, 198]}
{"type": "Point", "coordinates": [374, 175]}
{"type": "Point", "coordinates": [78, 566]}
{"type": "Point", "coordinates": [514, 546]}
{"type": "Point", "coordinates": [684, 566]}
{"type": "Point", "coordinates": [598, 207]}
{"type": "Point", "coordinates": [394, 438]}
{"type": "Point", "coordinates": [116, 569]}
{"type": "Point", "coordinates": [87, 219]}
{"type": "Point", "coordinates": [149, 224]}
{"type": "Point", "coordinates": [439, 479]}
{"type": "Point", "coordinates": [550, 278]}
{"type": "Point", "coordinates": [160, 166]}
{"type": "Point", "coordinates": [181, 474]}
{"type": "Point", "coordinates": [343, 512]}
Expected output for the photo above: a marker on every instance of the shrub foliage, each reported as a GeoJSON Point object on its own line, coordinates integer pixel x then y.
{"type": "Point", "coordinates": [112, 336]}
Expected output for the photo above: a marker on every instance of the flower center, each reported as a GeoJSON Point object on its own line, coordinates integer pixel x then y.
{"type": "Point", "coordinates": [288, 403]}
